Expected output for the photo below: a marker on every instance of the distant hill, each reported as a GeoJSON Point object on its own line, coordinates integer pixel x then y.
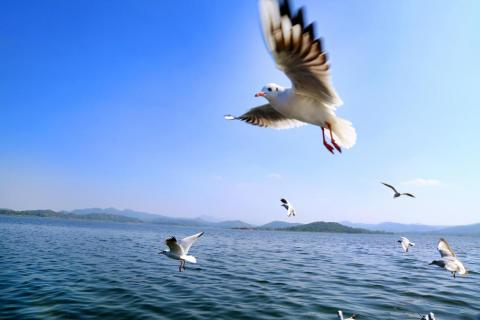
{"type": "Point", "coordinates": [233, 224]}
{"type": "Point", "coordinates": [472, 229]}
{"type": "Point", "coordinates": [182, 222]}
{"type": "Point", "coordinates": [321, 226]}
{"type": "Point", "coordinates": [67, 215]}
{"type": "Point", "coordinates": [144, 216]}
{"type": "Point", "coordinates": [393, 227]}
{"type": "Point", "coordinates": [278, 225]}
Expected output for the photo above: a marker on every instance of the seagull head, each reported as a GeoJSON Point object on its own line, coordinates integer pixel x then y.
{"type": "Point", "coordinates": [270, 91]}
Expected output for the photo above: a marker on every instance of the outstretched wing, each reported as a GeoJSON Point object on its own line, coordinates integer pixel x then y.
{"type": "Point", "coordinates": [408, 194]}
{"type": "Point", "coordinates": [284, 201]}
{"type": "Point", "coordinates": [187, 242]}
{"type": "Point", "coordinates": [174, 247]}
{"type": "Point", "coordinates": [391, 187]}
{"type": "Point", "coordinates": [266, 116]}
{"type": "Point", "coordinates": [297, 52]}
{"type": "Point", "coordinates": [445, 249]}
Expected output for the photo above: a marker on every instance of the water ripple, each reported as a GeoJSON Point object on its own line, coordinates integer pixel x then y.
{"type": "Point", "coordinates": [87, 270]}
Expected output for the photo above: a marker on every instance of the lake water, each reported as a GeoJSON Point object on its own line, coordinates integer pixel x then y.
{"type": "Point", "coordinates": [58, 269]}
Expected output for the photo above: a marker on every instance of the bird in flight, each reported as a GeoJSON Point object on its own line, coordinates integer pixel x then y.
{"type": "Point", "coordinates": [288, 206]}
{"type": "Point", "coordinates": [449, 260]}
{"type": "Point", "coordinates": [179, 249]}
{"type": "Point", "coordinates": [396, 193]}
{"type": "Point", "coordinates": [312, 99]}
{"type": "Point", "coordinates": [405, 243]}
{"type": "Point", "coordinates": [429, 316]}
{"type": "Point", "coordinates": [340, 316]}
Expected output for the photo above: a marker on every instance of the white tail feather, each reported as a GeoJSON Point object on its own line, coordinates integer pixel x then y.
{"type": "Point", "coordinates": [344, 132]}
{"type": "Point", "coordinates": [190, 259]}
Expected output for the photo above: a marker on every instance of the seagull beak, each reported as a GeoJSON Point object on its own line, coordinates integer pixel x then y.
{"type": "Point", "coordinates": [260, 94]}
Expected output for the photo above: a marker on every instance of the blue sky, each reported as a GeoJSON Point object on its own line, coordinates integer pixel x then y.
{"type": "Point", "coordinates": [121, 103]}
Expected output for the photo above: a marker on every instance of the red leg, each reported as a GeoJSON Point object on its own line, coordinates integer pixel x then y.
{"type": "Point", "coordinates": [329, 147]}
{"type": "Point", "coordinates": [333, 140]}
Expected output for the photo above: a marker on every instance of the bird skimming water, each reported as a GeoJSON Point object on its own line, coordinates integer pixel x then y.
{"type": "Point", "coordinates": [405, 243]}
{"type": "Point", "coordinates": [449, 260]}
{"type": "Point", "coordinates": [312, 98]}
{"type": "Point", "coordinates": [179, 249]}
{"type": "Point", "coordinates": [429, 316]}
{"type": "Point", "coordinates": [340, 316]}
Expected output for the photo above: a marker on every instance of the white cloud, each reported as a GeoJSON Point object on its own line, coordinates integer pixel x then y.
{"type": "Point", "coordinates": [274, 176]}
{"type": "Point", "coordinates": [420, 182]}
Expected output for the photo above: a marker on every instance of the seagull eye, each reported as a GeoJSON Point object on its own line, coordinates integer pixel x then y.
{"type": "Point", "coordinates": [269, 89]}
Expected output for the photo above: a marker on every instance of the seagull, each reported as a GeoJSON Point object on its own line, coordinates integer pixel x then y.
{"type": "Point", "coordinates": [340, 316]}
{"type": "Point", "coordinates": [429, 316]}
{"type": "Point", "coordinates": [449, 260]}
{"type": "Point", "coordinates": [397, 194]}
{"type": "Point", "coordinates": [405, 243]}
{"type": "Point", "coordinates": [312, 98]}
{"type": "Point", "coordinates": [288, 206]}
{"type": "Point", "coordinates": [179, 250]}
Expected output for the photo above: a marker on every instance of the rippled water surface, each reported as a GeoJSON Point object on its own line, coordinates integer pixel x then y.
{"type": "Point", "coordinates": [84, 270]}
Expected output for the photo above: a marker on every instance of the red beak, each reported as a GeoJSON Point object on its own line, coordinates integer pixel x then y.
{"type": "Point", "coordinates": [260, 94]}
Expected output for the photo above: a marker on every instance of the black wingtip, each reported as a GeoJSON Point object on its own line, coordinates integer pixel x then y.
{"type": "Point", "coordinates": [310, 29]}
{"type": "Point", "coordinates": [320, 44]}
{"type": "Point", "coordinates": [299, 18]}
{"type": "Point", "coordinates": [285, 9]}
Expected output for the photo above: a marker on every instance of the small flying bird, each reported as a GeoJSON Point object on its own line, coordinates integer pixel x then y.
{"type": "Point", "coordinates": [179, 249]}
{"type": "Point", "coordinates": [340, 316]}
{"type": "Point", "coordinates": [288, 206]}
{"type": "Point", "coordinates": [405, 243]}
{"type": "Point", "coordinates": [312, 98]}
{"type": "Point", "coordinates": [449, 260]}
{"type": "Point", "coordinates": [429, 316]}
{"type": "Point", "coordinates": [397, 194]}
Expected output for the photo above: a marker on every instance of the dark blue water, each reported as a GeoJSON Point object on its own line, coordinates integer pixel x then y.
{"type": "Point", "coordinates": [57, 269]}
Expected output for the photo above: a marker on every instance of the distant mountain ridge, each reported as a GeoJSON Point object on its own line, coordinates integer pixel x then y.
{"type": "Point", "coordinates": [278, 225]}
{"type": "Point", "coordinates": [393, 227]}
{"type": "Point", "coordinates": [334, 227]}
{"type": "Point", "coordinates": [128, 215]}
{"type": "Point", "coordinates": [472, 229]}
{"type": "Point", "coordinates": [160, 219]}
{"type": "Point", "coordinates": [67, 215]}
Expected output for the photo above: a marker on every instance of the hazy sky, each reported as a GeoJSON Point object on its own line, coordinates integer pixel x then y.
{"type": "Point", "coordinates": [121, 103]}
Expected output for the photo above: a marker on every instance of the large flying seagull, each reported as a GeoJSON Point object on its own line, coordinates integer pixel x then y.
{"type": "Point", "coordinates": [312, 98]}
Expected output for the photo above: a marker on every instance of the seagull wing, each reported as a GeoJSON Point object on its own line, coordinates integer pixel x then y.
{"type": "Point", "coordinates": [391, 187]}
{"type": "Point", "coordinates": [174, 247]}
{"type": "Point", "coordinates": [445, 249]}
{"type": "Point", "coordinates": [187, 242]}
{"type": "Point", "coordinates": [284, 201]}
{"type": "Point", "coordinates": [408, 194]}
{"type": "Point", "coordinates": [297, 52]}
{"type": "Point", "coordinates": [266, 116]}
